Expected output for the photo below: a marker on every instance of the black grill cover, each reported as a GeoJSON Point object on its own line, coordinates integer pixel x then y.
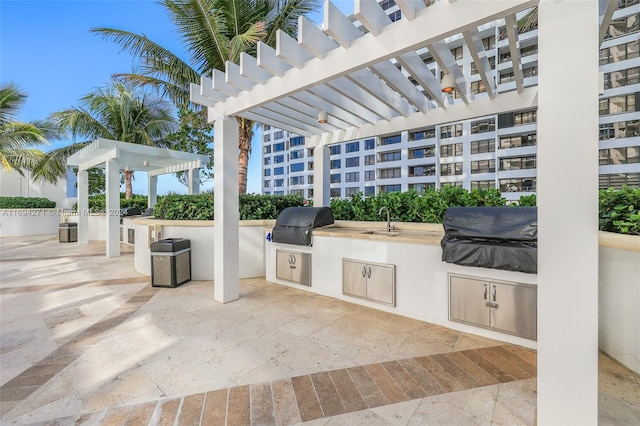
{"type": "Point", "coordinates": [492, 237]}
{"type": "Point", "coordinates": [295, 225]}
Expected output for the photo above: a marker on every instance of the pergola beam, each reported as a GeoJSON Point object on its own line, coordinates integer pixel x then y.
{"type": "Point", "coordinates": [479, 55]}
{"type": "Point", "coordinates": [370, 15]}
{"type": "Point", "coordinates": [338, 26]}
{"type": "Point", "coordinates": [399, 82]}
{"type": "Point", "coordinates": [514, 50]}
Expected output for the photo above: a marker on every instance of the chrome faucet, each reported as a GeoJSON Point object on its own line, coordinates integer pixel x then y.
{"type": "Point", "coordinates": [389, 226]}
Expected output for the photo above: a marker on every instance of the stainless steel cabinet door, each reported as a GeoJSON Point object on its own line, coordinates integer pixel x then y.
{"type": "Point", "coordinates": [467, 300]}
{"type": "Point", "coordinates": [300, 268]}
{"type": "Point", "coordinates": [514, 309]}
{"type": "Point", "coordinates": [354, 278]}
{"type": "Point", "coordinates": [381, 283]}
{"type": "Point", "coordinates": [283, 270]}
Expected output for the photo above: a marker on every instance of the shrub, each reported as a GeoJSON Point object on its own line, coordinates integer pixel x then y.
{"type": "Point", "coordinates": [620, 210]}
{"type": "Point", "coordinates": [26, 203]}
{"type": "Point", "coordinates": [98, 203]}
{"type": "Point", "coordinates": [200, 206]}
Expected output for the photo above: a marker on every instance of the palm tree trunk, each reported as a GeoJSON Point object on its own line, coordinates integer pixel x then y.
{"type": "Point", "coordinates": [245, 131]}
{"type": "Point", "coordinates": [128, 174]}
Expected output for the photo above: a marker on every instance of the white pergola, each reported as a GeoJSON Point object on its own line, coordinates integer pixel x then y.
{"type": "Point", "coordinates": [115, 156]}
{"type": "Point", "coordinates": [363, 77]}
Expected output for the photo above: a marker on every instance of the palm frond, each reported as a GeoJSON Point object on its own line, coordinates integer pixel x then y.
{"type": "Point", "coordinates": [11, 100]}
{"type": "Point", "coordinates": [17, 135]}
{"type": "Point", "coordinates": [53, 164]}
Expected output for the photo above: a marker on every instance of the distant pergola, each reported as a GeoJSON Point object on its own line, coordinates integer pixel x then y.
{"type": "Point", "coordinates": [115, 156]}
{"type": "Point", "coordinates": [369, 80]}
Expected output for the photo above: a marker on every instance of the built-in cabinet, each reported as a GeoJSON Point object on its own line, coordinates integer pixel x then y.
{"type": "Point", "coordinates": [294, 267]}
{"type": "Point", "coordinates": [502, 306]}
{"type": "Point", "coordinates": [371, 281]}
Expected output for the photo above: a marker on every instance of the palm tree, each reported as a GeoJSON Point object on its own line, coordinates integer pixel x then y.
{"type": "Point", "coordinates": [17, 139]}
{"type": "Point", "coordinates": [212, 32]}
{"type": "Point", "coordinates": [119, 112]}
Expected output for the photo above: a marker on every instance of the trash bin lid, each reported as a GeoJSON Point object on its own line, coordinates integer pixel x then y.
{"type": "Point", "coordinates": [170, 245]}
{"type": "Point", "coordinates": [69, 225]}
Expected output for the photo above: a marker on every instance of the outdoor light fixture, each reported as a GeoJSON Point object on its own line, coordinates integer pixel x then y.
{"type": "Point", "coordinates": [448, 83]}
{"type": "Point", "coordinates": [322, 117]}
{"type": "Point", "coordinates": [145, 163]}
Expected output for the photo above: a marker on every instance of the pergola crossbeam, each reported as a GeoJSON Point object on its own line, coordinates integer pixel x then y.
{"type": "Point", "coordinates": [312, 100]}
{"type": "Point", "coordinates": [269, 61]}
{"type": "Point", "coordinates": [414, 65]}
{"type": "Point", "coordinates": [249, 69]}
{"type": "Point", "coordinates": [409, 8]}
{"type": "Point", "coordinates": [288, 49]}
{"type": "Point", "coordinates": [400, 83]}
{"type": "Point", "coordinates": [313, 39]}
{"type": "Point", "coordinates": [275, 122]}
{"type": "Point", "coordinates": [234, 78]}
{"type": "Point", "coordinates": [338, 26]}
{"type": "Point", "coordinates": [370, 15]}
{"type": "Point", "coordinates": [479, 55]}
{"type": "Point", "coordinates": [443, 56]}
{"type": "Point", "coordinates": [371, 83]}
{"type": "Point", "coordinates": [312, 111]}
{"type": "Point", "coordinates": [514, 50]}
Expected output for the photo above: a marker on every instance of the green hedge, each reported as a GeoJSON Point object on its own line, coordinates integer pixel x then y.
{"type": "Point", "coordinates": [200, 206]}
{"type": "Point", "coordinates": [426, 207]}
{"type": "Point", "coordinates": [26, 203]}
{"type": "Point", "coordinates": [620, 210]}
{"type": "Point", "coordinates": [98, 203]}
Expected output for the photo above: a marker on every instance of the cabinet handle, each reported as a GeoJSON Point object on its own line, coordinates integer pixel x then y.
{"type": "Point", "coordinates": [364, 271]}
{"type": "Point", "coordinates": [368, 271]}
{"type": "Point", "coordinates": [485, 291]}
{"type": "Point", "coordinates": [494, 293]}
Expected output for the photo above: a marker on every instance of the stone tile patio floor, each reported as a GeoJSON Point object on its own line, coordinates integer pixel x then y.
{"type": "Point", "coordinates": [86, 340]}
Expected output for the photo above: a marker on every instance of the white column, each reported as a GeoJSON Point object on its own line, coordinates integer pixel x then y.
{"type": "Point", "coordinates": [226, 245]}
{"type": "Point", "coordinates": [194, 181]}
{"type": "Point", "coordinates": [568, 213]}
{"type": "Point", "coordinates": [83, 207]}
{"type": "Point", "coordinates": [321, 172]}
{"type": "Point", "coordinates": [113, 207]}
{"type": "Point", "coordinates": [152, 191]}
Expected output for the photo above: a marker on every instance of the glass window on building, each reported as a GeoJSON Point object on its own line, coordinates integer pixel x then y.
{"type": "Point", "coordinates": [429, 151]}
{"type": "Point", "coordinates": [335, 164]}
{"type": "Point", "coordinates": [389, 156]}
{"type": "Point", "coordinates": [390, 173]}
{"type": "Point", "coordinates": [486, 145]}
{"type": "Point", "coordinates": [278, 135]}
{"type": "Point", "coordinates": [369, 175]}
{"type": "Point", "coordinates": [518, 163]}
{"type": "Point", "coordinates": [482, 184]}
{"type": "Point", "coordinates": [297, 153]}
{"type": "Point", "coordinates": [526, 117]}
{"type": "Point", "coordinates": [489, 42]}
{"type": "Point", "coordinates": [297, 141]}
{"type": "Point", "coordinates": [352, 190]}
{"type": "Point", "coordinates": [352, 177]}
{"type": "Point", "coordinates": [621, 78]}
{"type": "Point", "coordinates": [457, 52]}
{"type": "Point", "coordinates": [277, 159]}
{"type": "Point", "coordinates": [267, 137]}
{"type": "Point", "coordinates": [267, 161]}
{"type": "Point", "coordinates": [450, 169]}
{"type": "Point", "coordinates": [310, 193]}
{"type": "Point", "coordinates": [296, 180]}
{"type": "Point", "coordinates": [620, 52]}
{"type": "Point", "coordinates": [385, 189]}
{"type": "Point", "coordinates": [478, 87]}
{"type": "Point", "coordinates": [310, 179]}
{"type": "Point", "coordinates": [492, 64]}
{"type": "Point", "coordinates": [267, 183]}
{"type": "Point", "coordinates": [451, 131]}
{"type": "Point", "coordinates": [620, 129]}
{"type": "Point", "coordinates": [390, 140]}
{"type": "Point", "coordinates": [369, 144]}
{"type": "Point", "coordinates": [310, 165]}
{"type": "Point", "coordinates": [518, 141]}
{"type": "Point", "coordinates": [518, 185]}
{"type": "Point", "coordinates": [267, 172]}
{"type": "Point", "coordinates": [267, 149]}
{"type": "Point", "coordinates": [335, 193]}
{"type": "Point", "coordinates": [369, 190]}
{"type": "Point", "coordinates": [621, 26]}
{"type": "Point", "coordinates": [624, 155]}
{"type": "Point", "coordinates": [297, 167]}
{"type": "Point", "coordinates": [277, 147]}
{"type": "Point", "coordinates": [310, 152]}
{"type": "Point", "coordinates": [424, 170]}
{"type": "Point", "coordinates": [451, 150]}
{"type": "Point", "coordinates": [482, 126]}
{"type": "Point", "coordinates": [278, 171]}
{"type": "Point", "coordinates": [529, 50]}
{"type": "Point", "coordinates": [618, 180]}
{"type": "Point", "coordinates": [352, 162]}
{"type": "Point", "coordinates": [299, 192]}
{"type": "Point", "coordinates": [352, 147]}
{"type": "Point", "coordinates": [422, 187]}
{"type": "Point", "coordinates": [369, 160]}
{"type": "Point", "coordinates": [617, 104]}
{"type": "Point", "coordinates": [483, 166]}
{"type": "Point", "coordinates": [278, 183]}
{"type": "Point", "coordinates": [335, 178]}
{"type": "Point", "coordinates": [334, 149]}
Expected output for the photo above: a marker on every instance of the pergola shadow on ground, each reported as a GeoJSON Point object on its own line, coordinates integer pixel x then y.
{"type": "Point", "coordinates": [360, 77]}
{"type": "Point", "coordinates": [86, 340]}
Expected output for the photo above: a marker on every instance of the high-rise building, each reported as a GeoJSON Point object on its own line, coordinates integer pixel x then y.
{"type": "Point", "coordinates": [494, 151]}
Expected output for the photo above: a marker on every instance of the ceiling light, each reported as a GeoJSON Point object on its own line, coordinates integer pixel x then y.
{"type": "Point", "coordinates": [322, 117]}
{"type": "Point", "coordinates": [448, 83]}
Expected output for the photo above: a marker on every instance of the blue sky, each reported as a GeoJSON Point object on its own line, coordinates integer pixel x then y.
{"type": "Point", "coordinates": [47, 50]}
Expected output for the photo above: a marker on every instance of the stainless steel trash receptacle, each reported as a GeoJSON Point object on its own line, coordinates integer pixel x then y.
{"type": "Point", "coordinates": [170, 262]}
{"type": "Point", "coordinates": [68, 232]}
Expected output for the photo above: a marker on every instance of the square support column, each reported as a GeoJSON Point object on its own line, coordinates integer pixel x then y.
{"type": "Point", "coordinates": [152, 191]}
{"type": "Point", "coordinates": [568, 213]}
{"type": "Point", "coordinates": [83, 207]}
{"type": "Point", "coordinates": [194, 181]}
{"type": "Point", "coordinates": [321, 171]}
{"type": "Point", "coordinates": [113, 207]}
{"type": "Point", "coordinates": [226, 239]}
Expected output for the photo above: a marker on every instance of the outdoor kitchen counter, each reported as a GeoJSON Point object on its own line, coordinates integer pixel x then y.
{"type": "Point", "coordinates": [417, 233]}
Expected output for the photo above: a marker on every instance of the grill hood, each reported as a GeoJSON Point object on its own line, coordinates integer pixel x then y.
{"type": "Point", "coordinates": [295, 225]}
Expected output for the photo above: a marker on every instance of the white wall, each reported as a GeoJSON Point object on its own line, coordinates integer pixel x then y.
{"type": "Point", "coordinates": [23, 222]}
{"type": "Point", "coordinates": [14, 185]}
{"type": "Point", "coordinates": [619, 305]}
